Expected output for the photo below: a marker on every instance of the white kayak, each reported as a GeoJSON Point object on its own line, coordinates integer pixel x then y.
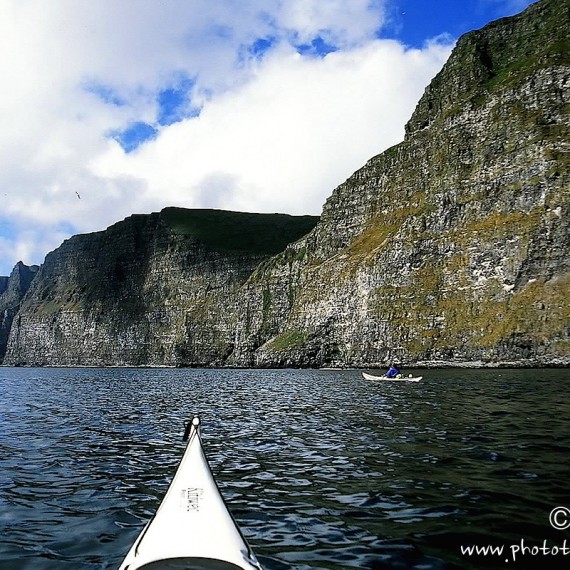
{"type": "Point", "coordinates": [397, 379]}
{"type": "Point", "coordinates": [192, 528]}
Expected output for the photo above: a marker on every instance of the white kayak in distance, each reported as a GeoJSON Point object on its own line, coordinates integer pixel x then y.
{"type": "Point", "coordinates": [192, 528]}
{"type": "Point", "coordinates": [398, 378]}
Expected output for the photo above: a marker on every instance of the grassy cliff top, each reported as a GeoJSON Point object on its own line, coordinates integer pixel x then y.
{"type": "Point", "coordinates": [222, 230]}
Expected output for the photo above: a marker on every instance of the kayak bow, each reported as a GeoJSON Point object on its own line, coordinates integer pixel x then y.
{"type": "Point", "coordinates": [192, 528]}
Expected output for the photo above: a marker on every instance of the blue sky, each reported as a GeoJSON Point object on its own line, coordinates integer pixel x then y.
{"type": "Point", "coordinates": [262, 105]}
{"type": "Point", "coordinates": [414, 21]}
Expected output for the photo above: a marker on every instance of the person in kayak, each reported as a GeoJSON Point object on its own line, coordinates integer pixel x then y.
{"type": "Point", "coordinates": [393, 372]}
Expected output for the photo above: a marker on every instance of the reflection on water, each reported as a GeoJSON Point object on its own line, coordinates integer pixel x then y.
{"type": "Point", "coordinates": [322, 469]}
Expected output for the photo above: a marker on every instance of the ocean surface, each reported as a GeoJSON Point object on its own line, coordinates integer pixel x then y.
{"type": "Point", "coordinates": [321, 469]}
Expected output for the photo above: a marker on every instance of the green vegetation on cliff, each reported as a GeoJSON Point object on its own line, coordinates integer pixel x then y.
{"type": "Point", "coordinates": [221, 230]}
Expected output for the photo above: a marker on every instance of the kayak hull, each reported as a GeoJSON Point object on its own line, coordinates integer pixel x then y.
{"type": "Point", "coordinates": [403, 379]}
{"type": "Point", "coordinates": [192, 528]}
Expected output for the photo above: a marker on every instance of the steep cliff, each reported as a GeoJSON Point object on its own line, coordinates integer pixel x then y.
{"type": "Point", "coordinates": [452, 246]}
{"type": "Point", "coordinates": [150, 290]}
{"type": "Point", "coordinates": [12, 291]}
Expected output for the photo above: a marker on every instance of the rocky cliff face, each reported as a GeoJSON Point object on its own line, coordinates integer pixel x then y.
{"type": "Point", "coordinates": [151, 290]}
{"type": "Point", "coordinates": [451, 246]}
{"type": "Point", "coordinates": [12, 291]}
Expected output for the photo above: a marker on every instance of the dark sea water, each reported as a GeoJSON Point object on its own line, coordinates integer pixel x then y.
{"type": "Point", "coordinates": [322, 469]}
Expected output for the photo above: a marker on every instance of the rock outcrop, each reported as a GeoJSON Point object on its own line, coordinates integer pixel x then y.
{"type": "Point", "coordinates": [12, 291]}
{"type": "Point", "coordinates": [452, 246]}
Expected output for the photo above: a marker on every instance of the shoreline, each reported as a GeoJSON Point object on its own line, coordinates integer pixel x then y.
{"type": "Point", "coordinates": [420, 365]}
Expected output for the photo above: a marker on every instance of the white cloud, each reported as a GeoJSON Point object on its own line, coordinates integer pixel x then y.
{"type": "Point", "coordinates": [288, 136]}
{"type": "Point", "coordinates": [344, 23]}
{"type": "Point", "coordinates": [275, 134]}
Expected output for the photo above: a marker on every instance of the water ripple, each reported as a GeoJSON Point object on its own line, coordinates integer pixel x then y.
{"type": "Point", "coordinates": [322, 469]}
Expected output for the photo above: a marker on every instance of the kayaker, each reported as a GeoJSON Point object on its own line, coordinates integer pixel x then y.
{"type": "Point", "coordinates": [393, 372]}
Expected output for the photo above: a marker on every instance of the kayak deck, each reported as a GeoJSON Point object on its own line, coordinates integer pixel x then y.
{"type": "Point", "coordinates": [189, 564]}
{"type": "Point", "coordinates": [192, 528]}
